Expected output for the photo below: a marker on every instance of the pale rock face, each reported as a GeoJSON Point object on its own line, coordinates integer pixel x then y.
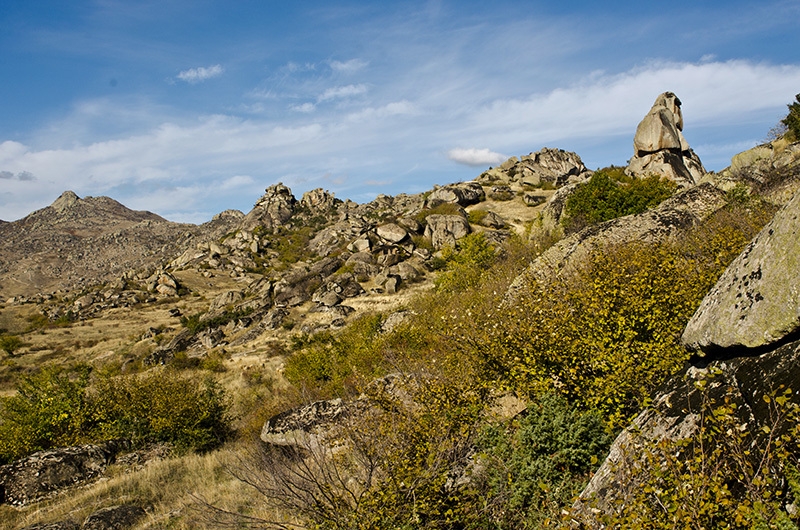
{"type": "Point", "coordinates": [445, 230]}
{"type": "Point", "coordinates": [660, 147]}
{"type": "Point", "coordinates": [391, 232]}
{"type": "Point", "coordinates": [756, 301]}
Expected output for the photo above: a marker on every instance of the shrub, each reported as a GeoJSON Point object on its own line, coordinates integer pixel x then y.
{"type": "Point", "coordinates": [535, 467]}
{"type": "Point", "coordinates": [445, 208]}
{"type": "Point", "coordinates": [792, 120]}
{"type": "Point", "coordinates": [609, 194]}
{"type": "Point", "coordinates": [722, 476]}
{"type": "Point", "coordinates": [465, 264]}
{"type": "Point", "coordinates": [10, 344]}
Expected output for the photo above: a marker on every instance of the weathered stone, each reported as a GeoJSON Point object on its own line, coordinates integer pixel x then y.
{"type": "Point", "coordinates": [304, 425]}
{"type": "Point", "coordinates": [444, 230]}
{"type": "Point", "coordinates": [272, 210]}
{"type": "Point", "coordinates": [756, 301]}
{"type": "Point", "coordinates": [45, 472]}
{"type": "Point", "coordinates": [318, 200]}
{"type": "Point", "coordinates": [660, 148]}
{"type": "Point", "coordinates": [228, 298]}
{"type": "Point", "coordinates": [462, 193]}
{"type": "Point", "coordinates": [114, 518]}
{"type": "Point", "coordinates": [391, 232]}
{"type": "Point", "coordinates": [533, 199]}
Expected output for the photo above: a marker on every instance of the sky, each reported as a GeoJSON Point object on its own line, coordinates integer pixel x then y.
{"type": "Point", "coordinates": [187, 108]}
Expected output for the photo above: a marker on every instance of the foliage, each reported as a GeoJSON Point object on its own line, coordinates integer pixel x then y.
{"type": "Point", "coordinates": [10, 344]}
{"type": "Point", "coordinates": [538, 465]}
{"type": "Point", "coordinates": [329, 364]}
{"type": "Point", "coordinates": [58, 407]}
{"type": "Point", "coordinates": [722, 476]}
{"type": "Point", "coordinates": [792, 120]}
{"type": "Point", "coordinates": [196, 323]}
{"type": "Point", "coordinates": [606, 332]}
{"type": "Point", "coordinates": [609, 194]}
{"type": "Point", "coordinates": [465, 264]}
{"type": "Point", "coordinates": [160, 407]}
{"type": "Point", "coordinates": [49, 410]}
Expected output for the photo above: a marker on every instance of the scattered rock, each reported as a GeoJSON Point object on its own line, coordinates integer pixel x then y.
{"type": "Point", "coordinates": [444, 230]}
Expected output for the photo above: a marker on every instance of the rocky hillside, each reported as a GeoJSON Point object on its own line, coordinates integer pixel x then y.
{"type": "Point", "coordinates": [455, 358]}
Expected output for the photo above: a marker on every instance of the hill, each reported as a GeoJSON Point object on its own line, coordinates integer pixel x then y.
{"type": "Point", "coordinates": [461, 358]}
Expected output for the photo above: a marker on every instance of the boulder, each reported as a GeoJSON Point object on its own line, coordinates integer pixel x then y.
{"type": "Point", "coordinates": [444, 230]}
{"type": "Point", "coordinates": [46, 472]}
{"type": "Point", "coordinates": [546, 166]}
{"type": "Point", "coordinates": [227, 298]}
{"type": "Point", "coordinates": [660, 147]}
{"type": "Point", "coordinates": [462, 193]}
{"type": "Point", "coordinates": [303, 426]}
{"type": "Point", "coordinates": [272, 210]}
{"type": "Point", "coordinates": [319, 200]}
{"type": "Point", "coordinates": [391, 233]}
{"type": "Point", "coordinates": [756, 301]}
{"type": "Point", "coordinates": [114, 518]}
{"type": "Point", "coordinates": [62, 525]}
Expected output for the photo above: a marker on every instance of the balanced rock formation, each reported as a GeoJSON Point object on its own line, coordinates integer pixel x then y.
{"type": "Point", "coordinates": [660, 148]}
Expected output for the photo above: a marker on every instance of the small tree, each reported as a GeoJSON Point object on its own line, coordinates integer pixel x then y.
{"type": "Point", "coordinates": [792, 120]}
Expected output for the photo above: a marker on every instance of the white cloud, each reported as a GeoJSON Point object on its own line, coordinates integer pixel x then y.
{"type": "Point", "coordinates": [201, 73]}
{"type": "Point", "coordinates": [475, 157]}
{"type": "Point", "coordinates": [339, 92]}
{"type": "Point", "coordinates": [305, 107]}
{"type": "Point", "coordinates": [348, 67]}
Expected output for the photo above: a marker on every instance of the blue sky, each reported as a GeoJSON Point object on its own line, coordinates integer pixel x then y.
{"type": "Point", "coordinates": [186, 108]}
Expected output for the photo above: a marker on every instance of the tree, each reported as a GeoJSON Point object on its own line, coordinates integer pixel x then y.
{"type": "Point", "coordinates": [792, 120]}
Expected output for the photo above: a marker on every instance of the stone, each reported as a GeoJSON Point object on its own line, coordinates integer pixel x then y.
{"type": "Point", "coordinates": [462, 193]}
{"type": "Point", "coordinates": [303, 425]}
{"type": "Point", "coordinates": [272, 210]}
{"type": "Point", "coordinates": [114, 518]}
{"type": "Point", "coordinates": [660, 147]}
{"type": "Point", "coordinates": [391, 232]}
{"type": "Point", "coordinates": [319, 200]}
{"type": "Point", "coordinates": [444, 230]}
{"type": "Point", "coordinates": [228, 298]}
{"type": "Point", "coordinates": [45, 472]}
{"type": "Point", "coordinates": [62, 525]}
{"type": "Point", "coordinates": [756, 301]}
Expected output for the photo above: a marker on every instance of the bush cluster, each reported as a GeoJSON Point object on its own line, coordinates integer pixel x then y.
{"type": "Point", "coordinates": [792, 120]}
{"type": "Point", "coordinates": [609, 194]}
{"type": "Point", "coordinates": [57, 407]}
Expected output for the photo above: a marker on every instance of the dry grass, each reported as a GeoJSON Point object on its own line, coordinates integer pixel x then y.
{"type": "Point", "coordinates": [169, 490]}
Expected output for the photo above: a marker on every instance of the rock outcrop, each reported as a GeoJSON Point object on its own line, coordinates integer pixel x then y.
{"type": "Point", "coordinates": [660, 147]}
{"type": "Point", "coordinates": [46, 472]}
{"type": "Point", "coordinates": [546, 167]}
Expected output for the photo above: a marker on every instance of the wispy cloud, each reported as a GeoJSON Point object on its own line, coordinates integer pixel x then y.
{"type": "Point", "coordinates": [23, 176]}
{"type": "Point", "coordinates": [348, 67]}
{"type": "Point", "coordinates": [305, 107]}
{"type": "Point", "coordinates": [475, 157]}
{"type": "Point", "coordinates": [201, 73]}
{"type": "Point", "coordinates": [339, 92]}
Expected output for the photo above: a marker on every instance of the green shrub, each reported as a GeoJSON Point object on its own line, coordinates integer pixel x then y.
{"type": "Point", "coordinates": [445, 208]}
{"type": "Point", "coordinates": [792, 120]}
{"type": "Point", "coordinates": [56, 407]}
{"type": "Point", "coordinates": [609, 194]}
{"type": "Point", "coordinates": [535, 467]}
{"type": "Point", "coordinates": [10, 344]}
{"type": "Point", "coordinates": [466, 264]}
{"type": "Point", "coordinates": [49, 410]}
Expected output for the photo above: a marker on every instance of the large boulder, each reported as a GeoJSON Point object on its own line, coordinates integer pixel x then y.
{"type": "Point", "coordinates": [756, 301]}
{"type": "Point", "coordinates": [272, 210]}
{"type": "Point", "coordinates": [676, 415]}
{"type": "Point", "coordinates": [445, 230]}
{"type": "Point", "coordinates": [546, 166]}
{"type": "Point", "coordinates": [303, 426]}
{"type": "Point", "coordinates": [660, 147]}
{"type": "Point", "coordinates": [47, 472]}
{"type": "Point", "coordinates": [461, 193]}
{"type": "Point", "coordinates": [114, 518]}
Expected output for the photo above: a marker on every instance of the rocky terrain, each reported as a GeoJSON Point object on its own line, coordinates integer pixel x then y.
{"type": "Point", "coordinates": [89, 280]}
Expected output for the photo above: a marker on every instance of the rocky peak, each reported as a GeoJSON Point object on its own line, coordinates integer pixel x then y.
{"type": "Point", "coordinates": [273, 209]}
{"type": "Point", "coordinates": [65, 201]}
{"type": "Point", "coordinates": [660, 147]}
